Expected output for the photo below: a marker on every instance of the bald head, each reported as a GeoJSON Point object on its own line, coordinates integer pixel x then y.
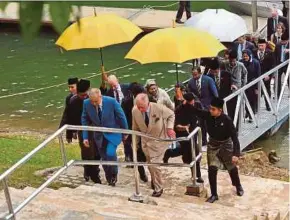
{"type": "Point", "coordinates": [113, 81]}
{"type": "Point", "coordinates": [95, 96]}
{"type": "Point", "coordinates": [142, 102]}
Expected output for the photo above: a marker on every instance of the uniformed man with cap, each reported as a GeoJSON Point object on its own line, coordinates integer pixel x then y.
{"type": "Point", "coordinates": [223, 148]}
{"type": "Point", "coordinates": [75, 109]}
{"type": "Point", "coordinates": [72, 86]}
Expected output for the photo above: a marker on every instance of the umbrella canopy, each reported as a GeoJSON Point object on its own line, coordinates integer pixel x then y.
{"type": "Point", "coordinates": [224, 25]}
{"type": "Point", "coordinates": [98, 32]}
{"type": "Point", "coordinates": [174, 45]}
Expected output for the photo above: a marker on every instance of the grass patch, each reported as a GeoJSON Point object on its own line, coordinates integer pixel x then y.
{"type": "Point", "coordinates": [196, 6]}
{"type": "Point", "coordinates": [13, 149]}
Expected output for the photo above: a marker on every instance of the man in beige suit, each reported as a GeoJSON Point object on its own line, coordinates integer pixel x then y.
{"type": "Point", "coordinates": [158, 121]}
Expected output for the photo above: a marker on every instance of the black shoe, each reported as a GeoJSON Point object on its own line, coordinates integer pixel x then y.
{"type": "Point", "coordinates": [165, 159]}
{"type": "Point", "coordinates": [240, 191]}
{"type": "Point", "coordinates": [157, 194]}
{"type": "Point", "coordinates": [144, 178]}
{"type": "Point", "coordinates": [179, 21]}
{"type": "Point", "coordinates": [87, 178]}
{"type": "Point", "coordinates": [268, 108]}
{"type": "Point", "coordinates": [212, 199]}
{"type": "Point", "coordinates": [97, 180]}
{"type": "Point", "coordinates": [200, 180]}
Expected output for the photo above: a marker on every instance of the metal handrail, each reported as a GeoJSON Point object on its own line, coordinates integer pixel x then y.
{"type": "Point", "coordinates": [136, 197]}
{"type": "Point", "coordinates": [250, 84]}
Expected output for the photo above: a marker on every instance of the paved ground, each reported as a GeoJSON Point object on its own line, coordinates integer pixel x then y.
{"type": "Point", "coordinates": [147, 18]}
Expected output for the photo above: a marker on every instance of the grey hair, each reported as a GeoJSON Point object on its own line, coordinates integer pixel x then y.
{"type": "Point", "coordinates": [142, 98]}
{"type": "Point", "coordinates": [112, 78]}
{"type": "Point", "coordinates": [94, 92]}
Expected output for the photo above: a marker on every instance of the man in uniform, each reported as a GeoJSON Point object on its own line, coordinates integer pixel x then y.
{"type": "Point", "coordinates": [223, 148]}
{"type": "Point", "coordinates": [72, 86]}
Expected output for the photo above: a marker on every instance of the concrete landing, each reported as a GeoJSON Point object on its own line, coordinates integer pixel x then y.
{"type": "Point", "coordinates": [103, 202]}
{"type": "Point", "coordinates": [144, 18]}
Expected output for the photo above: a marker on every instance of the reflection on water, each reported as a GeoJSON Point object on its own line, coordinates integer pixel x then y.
{"type": "Point", "coordinates": [278, 142]}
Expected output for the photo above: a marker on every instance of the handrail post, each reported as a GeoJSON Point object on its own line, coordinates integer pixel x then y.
{"type": "Point", "coordinates": [276, 95]}
{"type": "Point", "coordinates": [137, 196]}
{"type": "Point", "coordinates": [8, 198]}
{"type": "Point", "coordinates": [62, 150]}
{"type": "Point", "coordinates": [193, 168]}
{"type": "Point", "coordinates": [241, 115]}
{"type": "Point", "coordinates": [259, 102]}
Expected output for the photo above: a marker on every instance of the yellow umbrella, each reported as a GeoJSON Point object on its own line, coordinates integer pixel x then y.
{"type": "Point", "coordinates": [175, 45]}
{"type": "Point", "coordinates": [97, 32]}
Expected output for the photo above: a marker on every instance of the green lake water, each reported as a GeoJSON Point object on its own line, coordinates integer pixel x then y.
{"type": "Point", "coordinates": [25, 67]}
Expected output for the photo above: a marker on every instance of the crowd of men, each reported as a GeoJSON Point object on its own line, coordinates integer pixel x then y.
{"type": "Point", "coordinates": [149, 109]}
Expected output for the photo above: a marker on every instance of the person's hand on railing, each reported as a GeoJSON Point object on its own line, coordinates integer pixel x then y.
{"type": "Point", "coordinates": [183, 128]}
{"type": "Point", "coordinates": [256, 91]}
{"type": "Point", "coordinates": [235, 160]}
{"type": "Point", "coordinates": [267, 78]}
{"type": "Point", "coordinates": [86, 143]}
{"type": "Point", "coordinates": [234, 87]}
{"type": "Point", "coordinates": [171, 133]}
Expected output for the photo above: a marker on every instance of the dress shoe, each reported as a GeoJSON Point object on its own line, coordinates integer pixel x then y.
{"type": "Point", "coordinates": [97, 180]}
{"type": "Point", "coordinates": [240, 191]}
{"type": "Point", "coordinates": [268, 108]}
{"type": "Point", "coordinates": [87, 178]}
{"type": "Point", "coordinates": [113, 181]}
{"type": "Point", "coordinates": [157, 194]}
{"type": "Point", "coordinates": [212, 199]}
{"type": "Point", "coordinates": [179, 21]}
{"type": "Point", "coordinates": [200, 180]}
{"type": "Point", "coordinates": [144, 178]}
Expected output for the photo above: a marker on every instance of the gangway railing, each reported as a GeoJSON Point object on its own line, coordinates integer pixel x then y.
{"type": "Point", "coordinates": [137, 196]}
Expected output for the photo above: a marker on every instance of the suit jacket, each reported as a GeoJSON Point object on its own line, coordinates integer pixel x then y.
{"type": "Point", "coordinates": [268, 62]}
{"type": "Point", "coordinates": [112, 117]}
{"type": "Point", "coordinates": [278, 53]}
{"type": "Point", "coordinates": [225, 83]}
{"type": "Point", "coordinates": [249, 45]}
{"type": "Point", "coordinates": [110, 92]}
{"type": "Point", "coordinates": [160, 118]}
{"type": "Point", "coordinates": [208, 90]}
{"type": "Point", "coordinates": [64, 118]}
{"type": "Point", "coordinates": [270, 26]}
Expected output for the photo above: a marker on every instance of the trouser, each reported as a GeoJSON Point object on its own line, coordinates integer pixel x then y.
{"type": "Point", "coordinates": [280, 73]}
{"type": "Point", "coordinates": [253, 100]}
{"type": "Point", "coordinates": [89, 153]}
{"type": "Point", "coordinates": [183, 5]}
{"type": "Point", "coordinates": [212, 175]}
{"type": "Point", "coordinates": [155, 171]}
{"type": "Point", "coordinates": [128, 148]}
{"type": "Point", "coordinates": [111, 171]}
{"type": "Point", "coordinates": [185, 150]}
{"type": "Point", "coordinates": [268, 89]}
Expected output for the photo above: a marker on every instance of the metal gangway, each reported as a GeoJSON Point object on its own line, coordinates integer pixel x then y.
{"type": "Point", "coordinates": [263, 120]}
{"type": "Point", "coordinates": [194, 188]}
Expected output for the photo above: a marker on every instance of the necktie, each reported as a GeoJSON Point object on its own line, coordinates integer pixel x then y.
{"type": "Point", "coordinates": [198, 86]}
{"type": "Point", "coordinates": [217, 81]}
{"type": "Point", "coordinates": [100, 113]}
{"type": "Point", "coordinates": [117, 95]}
{"type": "Point", "coordinates": [146, 119]}
{"type": "Point", "coordinates": [261, 55]}
{"type": "Point", "coordinates": [275, 23]}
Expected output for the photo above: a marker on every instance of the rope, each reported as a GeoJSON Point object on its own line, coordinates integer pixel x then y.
{"type": "Point", "coordinates": [61, 84]}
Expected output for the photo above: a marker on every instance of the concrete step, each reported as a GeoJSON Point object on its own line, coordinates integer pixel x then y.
{"type": "Point", "coordinates": [266, 196]}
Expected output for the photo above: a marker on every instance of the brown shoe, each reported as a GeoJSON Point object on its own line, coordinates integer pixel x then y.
{"type": "Point", "coordinates": [157, 194]}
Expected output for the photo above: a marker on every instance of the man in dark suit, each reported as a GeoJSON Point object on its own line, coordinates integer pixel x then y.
{"type": "Point", "coordinates": [222, 79]}
{"type": "Point", "coordinates": [75, 109]}
{"type": "Point", "coordinates": [72, 86]}
{"type": "Point", "coordinates": [183, 5]}
{"type": "Point", "coordinates": [242, 44]}
{"type": "Point", "coordinates": [282, 54]}
{"type": "Point", "coordinates": [127, 106]}
{"type": "Point", "coordinates": [205, 89]}
{"type": "Point", "coordinates": [273, 21]}
{"type": "Point", "coordinates": [102, 111]}
{"type": "Point", "coordinates": [267, 62]}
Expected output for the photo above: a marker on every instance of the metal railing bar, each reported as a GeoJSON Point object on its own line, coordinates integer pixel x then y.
{"type": "Point", "coordinates": [31, 153]}
{"type": "Point", "coordinates": [250, 110]}
{"type": "Point", "coordinates": [239, 101]}
{"type": "Point", "coordinates": [8, 199]}
{"type": "Point", "coordinates": [39, 189]}
{"type": "Point", "coordinates": [250, 84]}
{"type": "Point", "coordinates": [283, 88]}
{"type": "Point", "coordinates": [196, 159]}
{"type": "Point", "coordinates": [119, 163]}
{"type": "Point", "coordinates": [267, 97]}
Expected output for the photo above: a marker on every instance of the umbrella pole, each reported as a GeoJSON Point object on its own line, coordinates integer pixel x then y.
{"type": "Point", "coordinates": [102, 61]}
{"type": "Point", "coordinates": [177, 80]}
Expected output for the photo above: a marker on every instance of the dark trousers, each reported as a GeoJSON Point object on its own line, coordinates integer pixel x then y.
{"type": "Point", "coordinates": [185, 150]}
{"type": "Point", "coordinates": [183, 5]}
{"type": "Point", "coordinates": [128, 148]}
{"type": "Point", "coordinates": [268, 89]}
{"type": "Point", "coordinates": [212, 176]}
{"type": "Point", "coordinates": [280, 73]}
{"type": "Point", "coordinates": [89, 153]}
{"type": "Point", "coordinates": [253, 100]}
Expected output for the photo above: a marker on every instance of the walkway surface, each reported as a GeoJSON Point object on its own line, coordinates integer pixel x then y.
{"type": "Point", "coordinates": [144, 18]}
